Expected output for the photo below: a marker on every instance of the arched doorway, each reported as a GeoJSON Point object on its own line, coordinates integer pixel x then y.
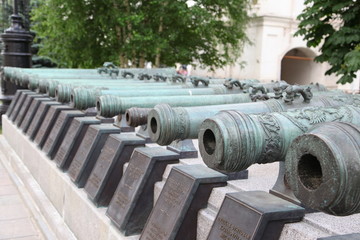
{"type": "Point", "coordinates": [298, 67]}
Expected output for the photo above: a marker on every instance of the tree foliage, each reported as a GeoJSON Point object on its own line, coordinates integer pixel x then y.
{"type": "Point", "coordinates": [86, 33]}
{"type": "Point", "coordinates": [335, 27]}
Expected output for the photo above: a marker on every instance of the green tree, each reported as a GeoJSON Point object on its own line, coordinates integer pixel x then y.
{"type": "Point", "coordinates": [87, 33]}
{"type": "Point", "coordinates": [334, 26]}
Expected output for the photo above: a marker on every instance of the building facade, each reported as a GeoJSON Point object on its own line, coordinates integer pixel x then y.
{"type": "Point", "coordinates": [275, 54]}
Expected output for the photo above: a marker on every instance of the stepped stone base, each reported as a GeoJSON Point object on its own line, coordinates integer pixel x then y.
{"type": "Point", "coordinates": [65, 211]}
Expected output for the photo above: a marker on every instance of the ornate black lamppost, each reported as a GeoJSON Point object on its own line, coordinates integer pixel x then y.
{"type": "Point", "coordinates": [16, 52]}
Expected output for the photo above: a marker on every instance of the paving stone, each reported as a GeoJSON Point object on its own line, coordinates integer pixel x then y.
{"type": "Point", "coordinates": [8, 190]}
{"type": "Point", "coordinates": [14, 211]}
{"type": "Point", "coordinates": [10, 200]}
{"type": "Point", "coordinates": [13, 229]}
{"type": "Point", "coordinates": [5, 180]}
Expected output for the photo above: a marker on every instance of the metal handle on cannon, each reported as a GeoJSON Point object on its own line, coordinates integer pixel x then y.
{"type": "Point", "coordinates": [293, 91]}
{"type": "Point", "coordinates": [230, 83]}
{"type": "Point", "coordinates": [144, 76]}
{"type": "Point", "coordinates": [159, 77]}
{"type": "Point", "coordinates": [178, 78]}
{"type": "Point", "coordinates": [125, 74]}
{"type": "Point", "coordinates": [196, 80]}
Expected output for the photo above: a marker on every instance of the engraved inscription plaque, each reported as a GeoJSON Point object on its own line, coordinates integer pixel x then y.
{"type": "Point", "coordinates": [48, 123]}
{"type": "Point", "coordinates": [253, 215]}
{"type": "Point", "coordinates": [133, 200]}
{"type": "Point", "coordinates": [59, 130]}
{"type": "Point", "coordinates": [108, 169]}
{"type": "Point", "coordinates": [186, 191]}
{"type": "Point", "coordinates": [72, 141]}
{"type": "Point", "coordinates": [88, 152]}
{"type": "Point", "coordinates": [25, 107]}
{"type": "Point", "coordinates": [29, 116]}
{"type": "Point", "coordinates": [14, 101]}
{"type": "Point", "coordinates": [19, 104]}
{"type": "Point", "coordinates": [39, 118]}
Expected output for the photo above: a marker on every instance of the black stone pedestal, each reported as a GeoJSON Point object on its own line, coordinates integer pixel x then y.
{"type": "Point", "coordinates": [15, 101]}
{"type": "Point", "coordinates": [48, 123]}
{"type": "Point", "coordinates": [186, 191]}
{"type": "Point", "coordinates": [185, 148]}
{"type": "Point", "coordinates": [108, 169]}
{"type": "Point", "coordinates": [59, 130]}
{"type": "Point", "coordinates": [39, 118]}
{"type": "Point", "coordinates": [72, 141]}
{"type": "Point", "coordinates": [30, 115]}
{"type": "Point", "coordinates": [120, 122]}
{"type": "Point", "coordinates": [134, 196]}
{"type": "Point", "coordinates": [253, 215]}
{"type": "Point", "coordinates": [89, 151]}
{"type": "Point", "coordinates": [19, 104]}
{"type": "Point", "coordinates": [143, 133]}
{"type": "Point", "coordinates": [25, 107]}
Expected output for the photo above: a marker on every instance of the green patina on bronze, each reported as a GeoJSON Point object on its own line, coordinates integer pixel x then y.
{"type": "Point", "coordinates": [136, 116]}
{"type": "Point", "coordinates": [84, 98]}
{"type": "Point", "coordinates": [181, 123]}
{"type": "Point", "coordinates": [109, 106]}
{"type": "Point", "coordinates": [31, 78]}
{"type": "Point", "coordinates": [232, 141]}
{"type": "Point", "coordinates": [323, 168]}
{"type": "Point", "coordinates": [63, 91]}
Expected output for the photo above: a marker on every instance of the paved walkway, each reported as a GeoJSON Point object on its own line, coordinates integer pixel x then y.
{"type": "Point", "coordinates": [16, 221]}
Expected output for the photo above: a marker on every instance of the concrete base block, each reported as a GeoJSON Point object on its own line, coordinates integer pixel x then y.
{"type": "Point", "coordinates": [65, 208]}
{"type": "Point", "coordinates": [65, 211]}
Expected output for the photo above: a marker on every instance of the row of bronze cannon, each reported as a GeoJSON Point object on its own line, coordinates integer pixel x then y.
{"type": "Point", "coordinates": [322, 174]}
{"type": "Point", "coordinates": [232, 137]}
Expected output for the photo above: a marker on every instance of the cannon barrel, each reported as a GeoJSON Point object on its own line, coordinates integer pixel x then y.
{"type": "Point", "coordinates": [109, 106]}
{"type": "Point", "coordinates": [136, 116]}
{"type": "Point", "coordinates": [181, 123]}
{"type": "Point", "coordinates": [63, 91]}
{"type": "Point", "coordinates": [233, 141]}
{"type": "Point", "coordinates": [82, 98]}
{"type": "Point", "coordinates": [31, 78]}
{"type": "Point", "coordinates": [323, 168]}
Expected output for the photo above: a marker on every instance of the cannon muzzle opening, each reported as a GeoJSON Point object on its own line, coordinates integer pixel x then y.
{"type": "Point", "coordinates": [153, 125]}
{"type": "Point", "coordinates": [323, 168]}
{"type": "Point", "coordinates": [310, 172]}
{"type": "Point", "coordinates": [209, 141]}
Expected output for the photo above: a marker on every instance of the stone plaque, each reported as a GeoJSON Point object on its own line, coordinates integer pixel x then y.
{"type": "Point", "coordinates": [108, 169]}
{"type": "Point", "coordinates": [89, 151]}
{"type": "Point", "coordinates": [253, 215]}
{"type": "Point", "coordinates": [59, 130]}
{"type": "Point", "coordinates": [186, 191]}
{"type": "Point", "coordinates": [39, 118]}
{"type": "Point", "coordinates": [31, 113]}
{"type": "Point", "coordinates": [25, 107]}
{"type": "Point", "coordinates": [72, 141]}
{"type": "Point", "coordinates": [14, 101]}
{"type": "Point", "coordinates": [48, 123]}
{"type": "Point", "coordinates": [352, 236]}
{"type": "Point", "coordinates": [19, 104]}
{"type": "Point", "coordinates": [185, 148]}
{"type": "Point", "coordinates": [134, 197]}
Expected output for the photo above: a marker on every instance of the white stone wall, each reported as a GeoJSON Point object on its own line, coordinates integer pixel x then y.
{"type": "Point", "coordinates": [271, 32]}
